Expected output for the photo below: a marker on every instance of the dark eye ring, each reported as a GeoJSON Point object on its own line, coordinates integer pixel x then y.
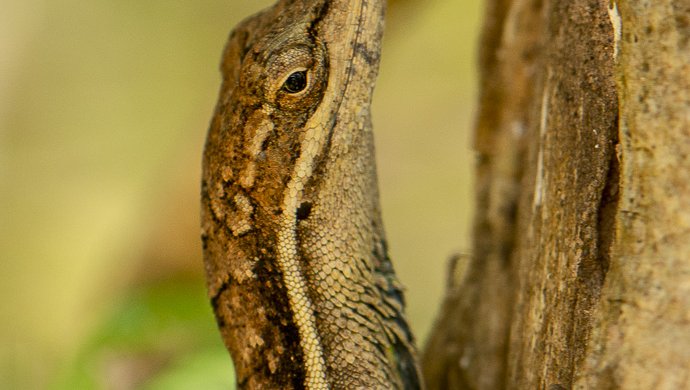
{"type": "Point", "coordinates": [296, 82]}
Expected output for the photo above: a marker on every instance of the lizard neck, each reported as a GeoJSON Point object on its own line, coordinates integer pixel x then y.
{"type": "Point", "coordinates": [299, 276]}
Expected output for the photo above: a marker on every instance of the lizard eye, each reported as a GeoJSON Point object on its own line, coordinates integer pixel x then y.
{"type": "Point", "coordinates": [296, 82]}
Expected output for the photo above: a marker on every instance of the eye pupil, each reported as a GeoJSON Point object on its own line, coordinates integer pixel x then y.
{"type": "Point", "coordinates": [296, 82]}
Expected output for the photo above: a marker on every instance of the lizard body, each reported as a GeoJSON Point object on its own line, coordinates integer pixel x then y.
{"type": "Point", "coordinates": [298, 272]}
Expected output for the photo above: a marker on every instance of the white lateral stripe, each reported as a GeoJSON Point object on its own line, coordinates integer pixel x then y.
{"type": "Point", "coordinates": [316, 131]}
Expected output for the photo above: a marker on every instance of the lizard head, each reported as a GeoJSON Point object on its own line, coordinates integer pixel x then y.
{"type": "Point", "coordinates": [294, 247]}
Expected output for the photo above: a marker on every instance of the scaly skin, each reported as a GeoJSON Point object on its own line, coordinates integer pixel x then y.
{"type": "Point", "coordinates": [298, 273]}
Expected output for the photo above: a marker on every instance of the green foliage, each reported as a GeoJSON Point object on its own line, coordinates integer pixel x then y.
{"type": "Point", "coordinates": [161, 336]}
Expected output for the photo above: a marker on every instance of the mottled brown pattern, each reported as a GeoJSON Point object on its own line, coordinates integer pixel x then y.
{"type": "Point", "coordinates": [298, 273]}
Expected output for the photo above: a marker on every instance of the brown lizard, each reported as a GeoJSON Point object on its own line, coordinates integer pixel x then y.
{"type": "Point", "coordinates": [298, 272]}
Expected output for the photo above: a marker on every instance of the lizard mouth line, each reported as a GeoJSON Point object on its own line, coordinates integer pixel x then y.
{"type": "Point", "coordinates": [316, 140]}
{"type": "Point", "coordinates": [292, 207]}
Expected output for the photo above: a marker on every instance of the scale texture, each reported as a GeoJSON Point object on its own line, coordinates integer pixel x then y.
{"type": "Point", "coordinates": [298, 273]}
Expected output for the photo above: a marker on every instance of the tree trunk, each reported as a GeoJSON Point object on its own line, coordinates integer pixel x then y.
{"type": "Point", "coordinates": [580, 276]}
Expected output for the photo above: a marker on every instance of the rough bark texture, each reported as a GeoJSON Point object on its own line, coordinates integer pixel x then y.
{"type": "Point", "coordinates": [580, 275]}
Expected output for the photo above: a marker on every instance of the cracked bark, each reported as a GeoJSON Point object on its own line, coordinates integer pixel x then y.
{"type": "Point", "coordinates": [580, 276]}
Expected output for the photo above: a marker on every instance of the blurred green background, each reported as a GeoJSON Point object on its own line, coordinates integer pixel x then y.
{"type": "Point", "coordinates": [104, 107]}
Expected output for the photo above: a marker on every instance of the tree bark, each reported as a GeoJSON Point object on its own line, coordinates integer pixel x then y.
{"type": "Point", "coordinates": [580, 276]}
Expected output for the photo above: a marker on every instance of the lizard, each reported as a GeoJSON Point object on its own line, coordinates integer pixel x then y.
{"type": "Point", "coordinates": [297, 266]}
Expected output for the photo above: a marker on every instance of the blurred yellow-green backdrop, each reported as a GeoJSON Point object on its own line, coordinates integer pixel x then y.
{"type": "Point", "coordinates": [103, 111]}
